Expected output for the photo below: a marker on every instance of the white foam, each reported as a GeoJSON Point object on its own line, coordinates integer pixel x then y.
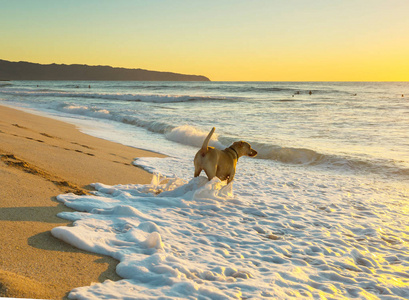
{"type": "Point", "coordinates": [294, 237]}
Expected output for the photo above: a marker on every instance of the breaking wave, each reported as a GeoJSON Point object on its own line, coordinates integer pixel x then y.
{"type": "Point", "coordinates": [309, 157]}
{"type": "Point", "coordinates": [151, 125]}
{"type": "Point", "coordinates": [192, 136]}
{"type": "Point", "coordinates": [189, 135]}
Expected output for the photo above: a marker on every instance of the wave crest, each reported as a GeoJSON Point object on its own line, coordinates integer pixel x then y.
{"type": "Point", "coordinates": [189, 135]}
{"type": "Point", "coordinates": [303, 156]}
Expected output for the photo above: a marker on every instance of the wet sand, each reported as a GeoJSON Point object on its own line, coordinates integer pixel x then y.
{"type": "Point", "coordinates": [41, 158]}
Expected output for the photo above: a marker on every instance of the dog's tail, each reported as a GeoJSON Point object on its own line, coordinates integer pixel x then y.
{"type": "Point", "coordinates": [206, 141]}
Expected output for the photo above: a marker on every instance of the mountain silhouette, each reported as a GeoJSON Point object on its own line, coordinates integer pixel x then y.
{"type": "Point", "coordinates": [32, 71]}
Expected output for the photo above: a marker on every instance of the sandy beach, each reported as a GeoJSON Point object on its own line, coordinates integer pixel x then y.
{"type": "Point", "coordinates": [41, 158]}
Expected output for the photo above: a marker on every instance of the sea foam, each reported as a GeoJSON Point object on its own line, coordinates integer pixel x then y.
{"type": "Point", "coordinates": [201, 239]}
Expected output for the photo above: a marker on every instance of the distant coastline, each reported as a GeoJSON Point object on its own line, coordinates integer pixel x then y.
{"type": "Point", "coordinates": [34, 71]}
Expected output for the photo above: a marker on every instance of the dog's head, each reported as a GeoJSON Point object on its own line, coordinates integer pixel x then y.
{"type": "Point", "coordinates": [244, 148]}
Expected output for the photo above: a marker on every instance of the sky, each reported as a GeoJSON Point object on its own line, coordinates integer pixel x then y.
{"type": "Point", "coordinates": [225, 40]}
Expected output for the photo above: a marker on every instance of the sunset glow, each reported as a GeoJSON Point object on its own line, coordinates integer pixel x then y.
{"type": "Point", "coordinates": [223, 40]}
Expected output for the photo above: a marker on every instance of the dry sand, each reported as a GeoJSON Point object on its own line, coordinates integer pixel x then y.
{"type": "Point", "coordinates": [39, 159]}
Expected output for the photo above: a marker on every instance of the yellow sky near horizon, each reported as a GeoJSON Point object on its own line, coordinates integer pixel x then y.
{"type": "Point", "coordinates": [224, 40]}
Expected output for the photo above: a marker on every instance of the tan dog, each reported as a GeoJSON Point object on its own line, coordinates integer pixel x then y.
{"type": "Point", "coordinates": [220, 163]}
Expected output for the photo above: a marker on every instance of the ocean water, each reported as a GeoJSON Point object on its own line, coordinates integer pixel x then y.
{"type": "Point", "coordinates": [321, 212]}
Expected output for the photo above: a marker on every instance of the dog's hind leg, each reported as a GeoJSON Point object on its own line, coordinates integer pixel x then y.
{"type": "Point", "coordinates": [197, 172]}
{"type": "Point", "coordinates": [210, 173]}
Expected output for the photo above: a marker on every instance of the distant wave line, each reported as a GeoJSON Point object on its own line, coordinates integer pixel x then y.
{"type": "Point", "coordinates": [155, 98]}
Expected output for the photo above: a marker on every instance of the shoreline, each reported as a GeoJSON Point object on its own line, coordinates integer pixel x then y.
{"type": "Point", "coordinates": [41, 158]}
